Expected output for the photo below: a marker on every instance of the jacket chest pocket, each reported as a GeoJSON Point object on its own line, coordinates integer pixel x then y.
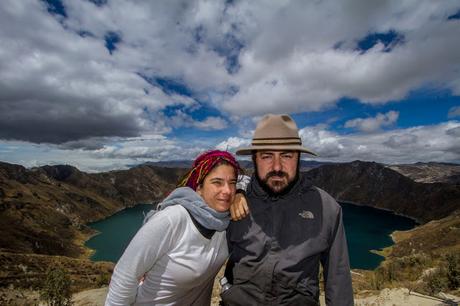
{"type": "Point", "coordinates": [301, 226]}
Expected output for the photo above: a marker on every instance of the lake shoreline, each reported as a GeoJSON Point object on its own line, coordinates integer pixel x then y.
{"type": "Point", "coordinates": [381, 252]}
{"type": "Point", "coordinates": [359, 262]}
{"type": "Point", "coordinates": [81, 241]}
{"type": "Point", "coordinates": [120, 237]}
{"type": "Point", "coordinates": [384, 209]}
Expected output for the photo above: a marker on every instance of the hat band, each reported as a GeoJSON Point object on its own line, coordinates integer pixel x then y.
{"type": "Point", "coordinates": [276, 141]}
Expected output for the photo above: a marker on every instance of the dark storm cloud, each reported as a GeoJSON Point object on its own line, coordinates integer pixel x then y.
{"type": "Point", "coordinates": [39, 121]}
{"type": "Point", "coordinates": [59, 86]}
{"type": "Point", "coordinates": [42, 114]}
{"type": "Point", "coordinates": [89, 144]}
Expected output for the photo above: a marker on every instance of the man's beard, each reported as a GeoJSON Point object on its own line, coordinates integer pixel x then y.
{"type": "Point", "coordinates": [277, 187]}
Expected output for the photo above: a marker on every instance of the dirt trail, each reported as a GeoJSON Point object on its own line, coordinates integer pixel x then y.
{"type": "Point", "coordinates": [386, 297]}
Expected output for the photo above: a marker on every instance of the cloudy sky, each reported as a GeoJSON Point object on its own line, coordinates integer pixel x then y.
{"type": "Point", "coordinates": [108, 84]}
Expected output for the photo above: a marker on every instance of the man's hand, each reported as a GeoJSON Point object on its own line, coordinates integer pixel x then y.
{"type": "Point", "coordinates": [239, 208]}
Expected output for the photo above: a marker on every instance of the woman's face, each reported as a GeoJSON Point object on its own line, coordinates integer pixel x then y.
{"type": "Point", "coordinates": [219, 187]}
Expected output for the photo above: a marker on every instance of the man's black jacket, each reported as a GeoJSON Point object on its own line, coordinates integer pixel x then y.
{"type": "Point", "coordinates": [276, 251]}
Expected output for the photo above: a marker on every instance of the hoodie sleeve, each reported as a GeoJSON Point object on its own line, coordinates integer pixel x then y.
{"type": "Point", "coordinates": [336, 268]}
{"type": "Point", "coordinates": [151, 242]}
{"type": "Point", "coordinates": [243, 182]}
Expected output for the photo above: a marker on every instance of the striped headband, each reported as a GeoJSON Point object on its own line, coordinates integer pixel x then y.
{"type": "Point", "coordinates": [204, 164]}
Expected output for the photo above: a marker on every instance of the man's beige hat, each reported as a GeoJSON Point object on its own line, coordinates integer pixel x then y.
{"type": "Point", "coordinates": [275, 132]}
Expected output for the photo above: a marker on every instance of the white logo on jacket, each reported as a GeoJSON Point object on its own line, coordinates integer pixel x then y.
{"type": "Point", "coordinates": [306, 214]}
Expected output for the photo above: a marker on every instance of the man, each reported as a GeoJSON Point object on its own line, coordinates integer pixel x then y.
{"type": "Point", "coordinates": [292, 227]}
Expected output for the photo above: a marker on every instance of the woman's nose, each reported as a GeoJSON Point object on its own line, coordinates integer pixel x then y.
{"type": "Point", "coordinates": [226, 188]}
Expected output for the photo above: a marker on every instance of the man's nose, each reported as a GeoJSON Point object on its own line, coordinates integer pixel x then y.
{"type": "Point", "coordinates": [277, 164]}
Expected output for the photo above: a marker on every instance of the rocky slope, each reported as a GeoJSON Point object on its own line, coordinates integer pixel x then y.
{"type": "Point", "coordinates": [430, 172]}
{"type": "Point", "coordinates": [375, 185]}
{"type": "Point", "coordinates": [436, 237]}
{"type": "Point", "coordinates": [43, 212]}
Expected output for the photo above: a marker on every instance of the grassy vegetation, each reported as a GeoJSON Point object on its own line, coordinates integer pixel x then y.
{"type": "Point", "coordinates": [424, 273]}
{"type": "Point", "coordinates": [56, 288]}
{"type": "Point", "coordinates": [28, 271]}
{"type": "Point", "coordinates": [425, 259]}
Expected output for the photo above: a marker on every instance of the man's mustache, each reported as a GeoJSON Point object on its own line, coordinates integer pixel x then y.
{"type": "Point", "coordinates": [276, 173]}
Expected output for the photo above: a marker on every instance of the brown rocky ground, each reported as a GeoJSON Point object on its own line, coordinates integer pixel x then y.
{"type": "Point", "coordinates": [430, 172]}
{"type": "Point", "coordinates": [22, 275]}
{"type": "Point", "coordinates": [29, 270]}
{"type": "Point", "coordinates": [43, 212]}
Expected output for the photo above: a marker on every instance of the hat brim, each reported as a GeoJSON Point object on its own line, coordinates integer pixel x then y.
{"type": "Point", "coordinates": [249, 150]}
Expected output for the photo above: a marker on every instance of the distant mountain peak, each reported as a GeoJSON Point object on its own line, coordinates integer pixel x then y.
{"type": "Point", "coordinates": [60, 172]}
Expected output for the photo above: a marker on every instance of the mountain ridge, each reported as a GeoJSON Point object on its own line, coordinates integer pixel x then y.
{"type": "Point", "coordinates": [65, 197]}
{"type": "Point", "coordinates": [373, 184]}
{"type": "Point", "coordinates": [44, 210]}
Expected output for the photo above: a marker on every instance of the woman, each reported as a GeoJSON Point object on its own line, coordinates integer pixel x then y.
{"type": "Point", "coordinates": [181, 247]}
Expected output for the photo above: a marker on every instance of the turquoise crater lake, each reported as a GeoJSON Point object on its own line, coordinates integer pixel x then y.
{"type": "Point", "coordinates": [367, 229]}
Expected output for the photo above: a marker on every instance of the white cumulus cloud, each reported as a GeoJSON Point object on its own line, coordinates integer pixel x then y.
{"type": "Point", "coordinates": [454, 112]}
{"type": "Point", "coordinates": [369, 125]}
{"type": "Point", "coordinates": [439, 142]}
{"type": "Point", "coordinates": [233, 143]}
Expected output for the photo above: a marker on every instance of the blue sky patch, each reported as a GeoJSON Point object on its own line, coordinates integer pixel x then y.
{"type": "Point", "coordinates": [424, 106]}
{"type": "Point", "coordinates": [197, 113]}
{"type": "Point", "coordinates": [170, 86]}
{"type": "Point", "coordinates": [99, 2]}
{"type": "Point", "coordinates": [335, 117]}
{"type": "Point", "coordinates": [55, 7]}
{"type": "Point", "coordinates": [389, 40]}
{"type": "Point", "coordinates": [111, 41]}
{"type": "Point", "coordinates": [416, 110]}
{"type": "Point", "coordinates": [454, 16]}
{"type": "Point", "coordinates": [171, 110]}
